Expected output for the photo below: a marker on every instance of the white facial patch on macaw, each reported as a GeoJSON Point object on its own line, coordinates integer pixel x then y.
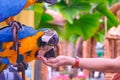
{"type": "Point", "coordinates": [48, 35]}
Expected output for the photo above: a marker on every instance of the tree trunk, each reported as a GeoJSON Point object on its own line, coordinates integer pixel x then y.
{"type": "Point", "coordinates": [79, 47]}
{"type": "Point", "coordinates": [89, 51]}
{"type": "Point", "coordinates": [112, 41]}
{"type": "Point", "coordinates": [111, 47]}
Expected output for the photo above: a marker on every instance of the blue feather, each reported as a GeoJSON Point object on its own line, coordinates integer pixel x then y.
{"type": "Point", "coordinates": [7, 36]}
{"type": "Point", "coordinates": [5, 60]}
{"type": "Point", "coordinates": [10, 8]}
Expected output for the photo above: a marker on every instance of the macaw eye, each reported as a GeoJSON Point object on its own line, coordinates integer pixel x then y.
{"type": "Point", "coordinates": [50, 44]}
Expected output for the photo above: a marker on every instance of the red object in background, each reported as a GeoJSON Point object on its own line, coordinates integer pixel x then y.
{"type": "Point", "coordinates": [116, 76]}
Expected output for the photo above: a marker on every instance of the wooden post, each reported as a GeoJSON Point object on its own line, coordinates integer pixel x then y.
{"type": "Point", "coordinates": [112, 47]}
{"type": "Point", "coordinates": [89, 51]}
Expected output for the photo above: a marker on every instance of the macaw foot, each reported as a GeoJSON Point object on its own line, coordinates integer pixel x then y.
{"type": "Point", "coordinates": [16, 25]}
{"type": "Point", "coordinates": [21, 66]}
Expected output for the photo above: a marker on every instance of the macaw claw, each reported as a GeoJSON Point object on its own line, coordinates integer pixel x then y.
{"type": "Point", "coordinates": [17, 24]}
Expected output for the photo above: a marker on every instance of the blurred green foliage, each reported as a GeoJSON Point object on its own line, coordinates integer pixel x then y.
{"type": "Point", "coordinates": [83, 18]}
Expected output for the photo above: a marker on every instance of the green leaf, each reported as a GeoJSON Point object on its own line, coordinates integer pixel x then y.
{"type": "Point", "coordinates": [74, 38]}
{"type": "Point", "coordinates": [102, 8]}
{"type": "Point", "coordinates": [110, 1]}
{"type": "Point", "coordinates": [49, 25]}
{"type": "Point", "coordinates": [86, 26]}
{"type": "Point", "coordinates": [69, 11]}
{"type": "Point", "coordinates": [46, 17]}
{"type": "Point", "coordinates": [38, 11]}
{"type": "Point", "coordinates": [100, 36]}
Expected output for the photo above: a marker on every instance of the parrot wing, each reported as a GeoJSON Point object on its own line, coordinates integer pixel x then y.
{"type": "Point", "coordinates": [3, 61]}
{"type": "Point", "coordinates": [10, 8]}
{"type": "Point", "coordinates": [7, 36]}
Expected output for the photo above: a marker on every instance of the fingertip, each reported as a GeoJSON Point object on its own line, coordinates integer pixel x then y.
{"type": "Point", "coordinates": [40, 57]}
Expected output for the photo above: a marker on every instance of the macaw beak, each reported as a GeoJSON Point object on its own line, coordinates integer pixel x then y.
{"type": "Point", "coordinates": [50, 53]}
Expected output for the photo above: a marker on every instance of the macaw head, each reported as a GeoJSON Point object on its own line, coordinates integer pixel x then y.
{"type": "Point", "coordinates": [48, 1]}
{"type": "Point", "coordinates": [49, 39]}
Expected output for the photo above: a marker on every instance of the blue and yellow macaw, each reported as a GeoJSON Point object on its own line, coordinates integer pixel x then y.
{"type": "Point", "coordinates": [29, 40]}
{"type": "Point", "coordinates": [10, 8]}
{"type": "Point", "coordinates": [27, 36]}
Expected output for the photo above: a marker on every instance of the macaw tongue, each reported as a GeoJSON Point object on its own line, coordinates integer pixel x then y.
{"type": "Point", "coordinates": [50, 53]}
{"type": "Point", "coordinates": [51, 1]}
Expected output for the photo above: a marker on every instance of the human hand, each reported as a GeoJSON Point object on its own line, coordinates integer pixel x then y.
{"type": "Point", "coordinates": [58, 61]}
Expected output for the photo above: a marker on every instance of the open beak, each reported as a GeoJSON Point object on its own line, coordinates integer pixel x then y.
{"type": "Point", "coordinates": [50, 53]}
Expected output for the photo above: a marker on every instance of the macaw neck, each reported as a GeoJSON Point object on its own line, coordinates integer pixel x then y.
{"type": "Point", "coordinates": [29, 3]}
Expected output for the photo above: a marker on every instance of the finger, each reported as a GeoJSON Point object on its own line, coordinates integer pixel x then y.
{"type": "Point", "coordinates": [44, 60]}
{"type": "Point", "coordinates": [52, 65]}
{"type": "Point", "coordinates": [41, 58]}
{"type": "Point", "coordinates": [52, 60]}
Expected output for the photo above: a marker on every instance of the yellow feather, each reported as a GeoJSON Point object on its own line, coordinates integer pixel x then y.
{"type": "Point", "coordinates": [26, 44]}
